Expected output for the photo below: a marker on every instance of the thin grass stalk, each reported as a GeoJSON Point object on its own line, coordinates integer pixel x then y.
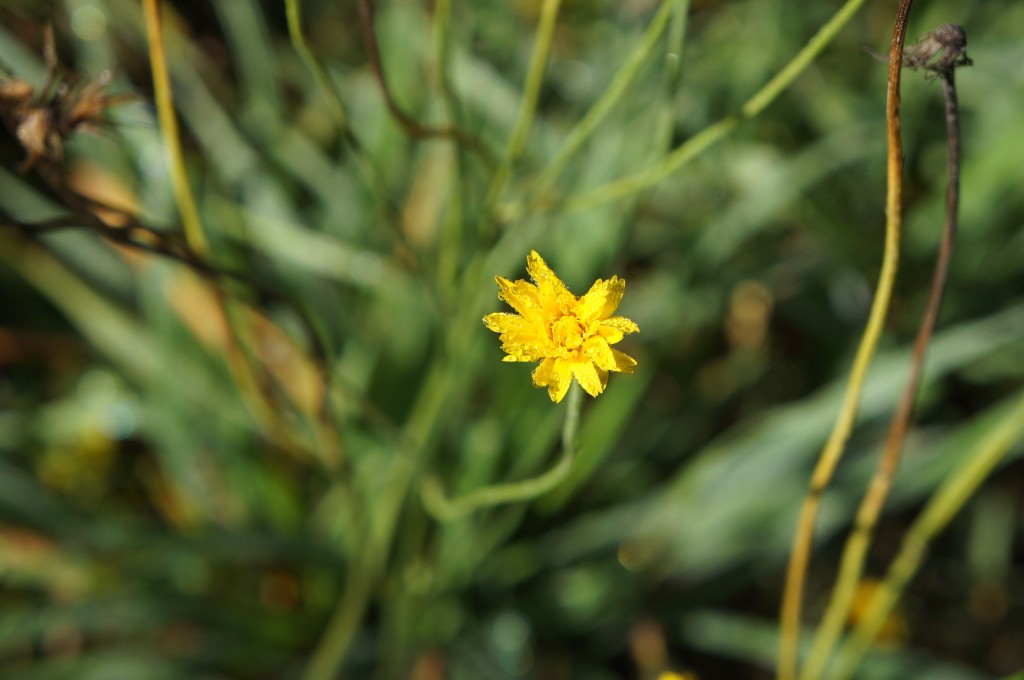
{"type": "Point", "coordinates": [193, 226]}
{"type": "Point", "coordinates": [714, 133]}
{"type": "Point", "coordinates": [253, 386]}
{"type": "Point", "coordinates": [956, 490]}
{"type": "Point", "coordinates": [445, 509]}
{"type": "Point", "coordinates": [675, 47]}
{"type": "Point", "coordinates": [528, 104]}
{"type": "Point", "coordinates": [796, 573]}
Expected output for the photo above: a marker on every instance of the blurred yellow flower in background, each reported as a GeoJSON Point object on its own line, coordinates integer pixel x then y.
{"type": "Point", "coordinates": [570, 336]}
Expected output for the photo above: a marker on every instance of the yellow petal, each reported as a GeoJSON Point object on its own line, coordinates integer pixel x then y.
{"type": "Point", "coordinates": [592, 302]}
{"type": "Point", "coordinates": [542, 374]}
{"type": "Point", "coordinates": [547, 281]}
{"type": "Point", "coordinates": [523, 350]}
{"type": "Point", "coordinates": [623, 362]}
{"type": "Point", "coordinates": [521, 296]}
{"type": "Point", "coordinates": [520, 338]}
{"type": "Point", "coordinates": [557, 390]}
{"type": "Point", "coordinates": [613, 328]}
{"type": "Point", "coordinates": [570, 336]}
{"type": "Point", "coordinates": [602, 299]}
{"type": "Point", "coordinates": [586, 375]}
{"type": "Point", "coordinates": [501, 322]}
{"type": "Point", "coordinates": [597, 349]}
{"type": "Point", "coordinates": [520, 357]}
{"type": "Point", "coordinates": [616, 289]}
{"type": "Point", "coordinates": [556, 374]}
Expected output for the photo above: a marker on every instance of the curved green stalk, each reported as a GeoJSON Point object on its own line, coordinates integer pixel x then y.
{"type": "Point", "coordinates": [718, 131]}
{"type": "Point", "coordinates": [955, 491]}
{"type": "Point", "coordinates": [445, 509]}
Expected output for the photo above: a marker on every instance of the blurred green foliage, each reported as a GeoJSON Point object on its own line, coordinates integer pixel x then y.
{"type": "Point", "coordinates": [157, 520]}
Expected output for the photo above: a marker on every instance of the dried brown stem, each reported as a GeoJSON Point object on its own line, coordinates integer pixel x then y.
{"type": "Point", "coordinates": [942, 57]}
{"type": "Point", "coordinates": [412, 127]}
{"type": "Point", "coordinates": [796, 573]}
{"type": "Point", "coordinates": [870, 510]}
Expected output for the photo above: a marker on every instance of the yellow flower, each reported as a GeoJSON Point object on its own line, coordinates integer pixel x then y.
{"type": "Point", "coordinates": [569, 335]}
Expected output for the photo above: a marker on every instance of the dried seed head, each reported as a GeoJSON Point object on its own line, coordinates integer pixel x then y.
{"type": "Point", "coordinates": [43, 119]}
{"type": "Point", "coordinates": [15, 91]}
{"type": "Point", "coordinates": [943, 49]}
{"type": "Point", "coordinates": [952, 37]}
{"type": "Point", "coordinates": [37, 133]}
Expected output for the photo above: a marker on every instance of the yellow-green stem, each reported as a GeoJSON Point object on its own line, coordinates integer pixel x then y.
{"type": "Point", "coordinates": [849, 578]}
{"type": "Point", "coordinates": [955, 491]}
{"type": "Point", "coordinates": [193, 226]}
{"type": "Point", "coordinates": [257, 398]}
{"type": "Point", "coordinates": [792, 601]}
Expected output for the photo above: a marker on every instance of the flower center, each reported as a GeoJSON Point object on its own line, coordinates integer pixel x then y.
{"type": "Point", "coordinates": [568, 332]}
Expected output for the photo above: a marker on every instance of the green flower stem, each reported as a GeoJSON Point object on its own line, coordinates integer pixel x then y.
{"type": "Point", "coordinates": [194, 235]}
{"type": "Point", "coordinates": [446, 510]}
{"type": "Point", "coordinates": [718, 131]}
{"type": "Point", "coordinates": [792, 599]}
{"type": "Point", "coordinates": [604, 105]}
{"type": "Point", "coordinates": [955, 491]}
{"type": "Point", "coordinates": [528, 107]}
